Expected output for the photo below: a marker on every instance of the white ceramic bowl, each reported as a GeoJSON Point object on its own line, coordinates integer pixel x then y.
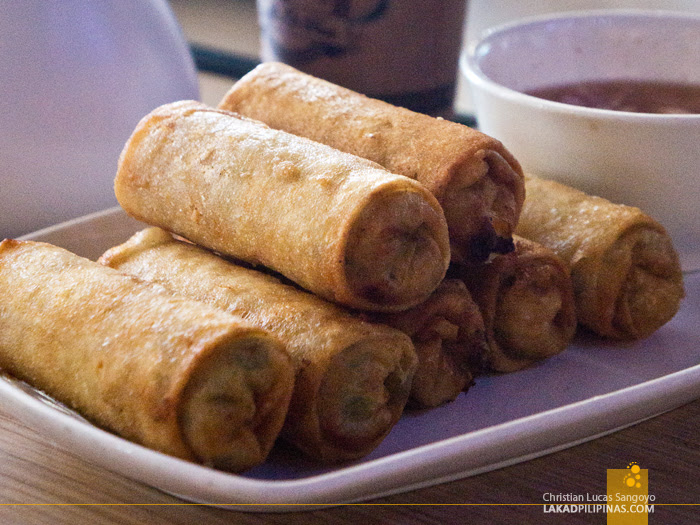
{"type": "Point", "coordinates": [647, 160]}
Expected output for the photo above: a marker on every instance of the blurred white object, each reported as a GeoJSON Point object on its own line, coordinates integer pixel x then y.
{"type": "Point", "coordinates": [75, 78]}
{"type": "Point", "coordinates": [647, 160]}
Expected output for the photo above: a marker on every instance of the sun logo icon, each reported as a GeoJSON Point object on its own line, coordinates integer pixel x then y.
{"type": "Point", "coordinates": [632, 479]}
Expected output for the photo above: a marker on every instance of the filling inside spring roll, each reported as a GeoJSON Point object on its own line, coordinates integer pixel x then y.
{"type": "Point", "coordinates": [482, 215]}
{"type": "Point", "coordinates": [362, 394]}
{"type": "Point", "coordinates": [240, 385]}
{"type": "Point", "coordinates": [392, 248]}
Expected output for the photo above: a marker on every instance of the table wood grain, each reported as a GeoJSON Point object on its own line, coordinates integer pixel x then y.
{"type": "Point", "coordinates": [42, 484]}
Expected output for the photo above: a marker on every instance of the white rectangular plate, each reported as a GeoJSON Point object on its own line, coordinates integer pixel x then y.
{"type": "Point", "coordinates": [593, 388]}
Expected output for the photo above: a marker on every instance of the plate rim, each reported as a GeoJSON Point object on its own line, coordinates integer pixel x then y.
{"type": "Point", "coordinates": [626, 406]}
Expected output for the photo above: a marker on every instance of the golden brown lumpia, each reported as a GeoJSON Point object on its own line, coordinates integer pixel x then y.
{"type": "Point", "coordinates": [448, 333]}
{"type": "Point", "coordinates": [475, 178]}
{"type": "Point", "coordinates": [338, 225]}
{"type": "Point", "coordinates": [354, 377]}
{"type": "Point", "coordinates": [626, 273]}
{"type": "Point", "coordinates": [527, 300]}
{"type": "Point", "coordinates": [170, 373]}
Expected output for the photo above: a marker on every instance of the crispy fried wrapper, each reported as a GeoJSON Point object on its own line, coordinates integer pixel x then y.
{"type": "Point", "coordinates": [448, 333]}
{"type": "Point", "coordinates": [337, 225]}
{"type": "Point", "coordinates": [527, 300]}
{"type": "Point", "coordinates": [353, 377]}
{"type": "Point", "coordinates": [170, 373]}
{"type": "Point", "coordinates": [475, 178]}
{"type": "Point", "coordinates": [626, 272]}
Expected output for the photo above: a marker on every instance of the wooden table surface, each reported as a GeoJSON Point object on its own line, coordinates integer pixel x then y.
{"type": "Point", "coordinates": [42, 484]}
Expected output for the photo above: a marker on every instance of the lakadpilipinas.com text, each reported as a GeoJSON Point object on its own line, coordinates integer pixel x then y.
{"type": "Point", "coordinates": [598, 503]}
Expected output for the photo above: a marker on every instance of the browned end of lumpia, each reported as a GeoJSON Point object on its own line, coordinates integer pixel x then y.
{"type": "Point", "coordinates": [360, 398]}
{"type": "Point", "coordinates": [243, 386]}
{"type": "Point", "coordinates": [482, 215]}
{"type": "Point", "coordinates": [393, 247]}
{"type": "Point", "coordinates": [527, 300]}
{"type": "Point", "coordinates": [448, 333]}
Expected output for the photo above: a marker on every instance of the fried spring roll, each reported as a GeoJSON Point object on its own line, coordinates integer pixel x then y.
{"type": "Point", "coordinates": [527, 300]}
{"type": "Point", "coordinates": [475, 178]}
{"type": "Point", "coordinates": [626, 273]}
{"type": "Point", "coordinates": [354, 377]}
{"type": "Point", "coordinates": [338, 225]}
{"type": "Point", "coordinates": [448, 333]}
{"type": "Point", "coordinates": [170, 373]}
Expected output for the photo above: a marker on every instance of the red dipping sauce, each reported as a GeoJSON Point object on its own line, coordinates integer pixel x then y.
{"type": "Point", "coordinates": [627, 95]}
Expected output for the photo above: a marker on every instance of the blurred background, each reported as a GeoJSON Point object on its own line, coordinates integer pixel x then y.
{"type": "Point", "coordinates": [231, 26]}
{"type": "Point", "coordinates": [77, 75]}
